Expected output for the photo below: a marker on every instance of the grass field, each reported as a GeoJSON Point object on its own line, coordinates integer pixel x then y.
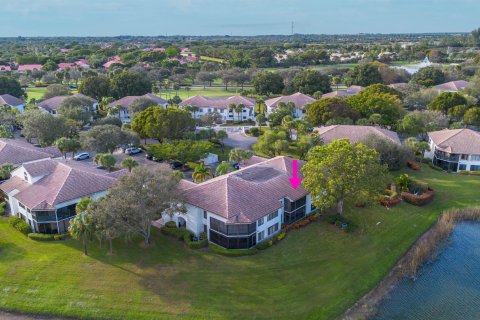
{"type": "Point", "coordinates": [200, 91]}
{"type": "Point", "coordinates": [37, 93]}
{"type": "Point", "coordinates": [315, 273]}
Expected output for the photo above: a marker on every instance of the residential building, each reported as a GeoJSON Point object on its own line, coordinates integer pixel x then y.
{"type": "Point", "coordinates": [29, 67]}
{"type": "Point", "coordinates": [4, 68]}
{"type": "Point", "coordinates": [51, 105]}
{"type": "Point", "coordinates": [334, 94]}
{"type": "Point", "coordinates": [355, 89]}
{"type": "Point", "coordinates": [112, 61]}
{"type": "Point", "coordinates": [354, 133]}
{"type": "Point", "coordinates": [13, 102]}
{"type": "Point", "coordinates": [16, 152]}
{"type": "Point", "coordinates": [45, 192]}
{"type": "Point", "coordinates": [455, 150]}
{"type": "Point", "coordinates": [452, 86]}
{"type": "Point", "coordinates": [300, 100]}
{"type": "Point", "coordinates": [242, 208]}
{"type": "Point", "coordinates": [221, 106]}
{"type": "Point", "coordinates": [125, 102]}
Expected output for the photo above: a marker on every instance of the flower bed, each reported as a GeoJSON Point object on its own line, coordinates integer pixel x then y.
{"type": "Point", "coordinates": [413, 165]}
{"type": "Point", "coordinates": [303, 223]}
{"type": "Point", "coordinates": [184, 235]}
{"type": "Point", "coordinates": [419, 200]}
{"type": "Point", "coordinates": [390, 198]}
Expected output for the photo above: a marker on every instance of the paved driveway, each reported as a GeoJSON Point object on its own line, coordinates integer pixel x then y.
{"type": "Point", "coordinates": [239, 140]}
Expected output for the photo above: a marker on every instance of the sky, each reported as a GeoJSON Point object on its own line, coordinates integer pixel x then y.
{"type": "Point", "coordinates": [233, 17]}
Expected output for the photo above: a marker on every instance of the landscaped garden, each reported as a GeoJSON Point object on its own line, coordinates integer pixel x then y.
{"type": "Point", "coordinates": [315, 272]}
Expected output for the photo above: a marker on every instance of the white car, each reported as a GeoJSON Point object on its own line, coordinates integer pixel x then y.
{"type": "Point", "coordinates": [131, 151]}
{"type": "Point", "coordinates": [82, 156]}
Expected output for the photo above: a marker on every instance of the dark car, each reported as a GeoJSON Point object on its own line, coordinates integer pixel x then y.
{"type": "Point", "coordinates": [175, 165]}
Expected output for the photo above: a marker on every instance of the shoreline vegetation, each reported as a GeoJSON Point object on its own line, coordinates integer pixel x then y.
{"type": "Point", "coordinates": [424, 250]}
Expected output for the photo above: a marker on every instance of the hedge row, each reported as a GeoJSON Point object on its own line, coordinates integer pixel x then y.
{"type": "Point", "coordinates": [419, 200]}
{"type": "Point", "coordinates": [233, 253]}
{"type": "Point", "coordinates": [473, 173]}
{"type": "Point", "coordinates": [48, 237]}
{"type": "Point", "coordinates": [20, 225]}
{"type": "Point", "coordinates": [184, 235]}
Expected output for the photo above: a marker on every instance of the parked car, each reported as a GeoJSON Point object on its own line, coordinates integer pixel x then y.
{"type": "Point", "coordinates": [82, 156]}
{"type": "Point", "coordinates": [175, 165]}
{"type": "Point", "coordinates": [131, 151]}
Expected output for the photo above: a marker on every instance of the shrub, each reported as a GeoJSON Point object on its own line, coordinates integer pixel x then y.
{"type": "Point", "coordinates": [255, 131]}
{"type": "Point", "coordinates": [413, 165]}
{"type": "Point", "coordinates": [203, 235]}
{"type": "Point", "coordinates": [270, 243]}
{"type": "Point", "coordinates": [281, 236]}
{"type": "Point", "coordinates": [262, 245]}
{"type": "Point", "coordinates": [474, 173]}
{"type": "Point", "coordinates": [174, 232]}
{"type": "Point", "coordinates": [171, 224]}
{"type": "Point", "coordinates": [232, 252]}
{"type": "Point", "coordinates": [2, 209]}
{"type": "Point", "coordinates": [41, 237]}
{"type": "Point", "coordinates": [61, 236]}
{"type": "Point", "coordinates": [188, 238]}
{"type": "Point", "coordinates": [390, 202]}
{"type": "Point", "coordinates": [13, 221]}
{"type": "Point", "coordinates": [418, 200]}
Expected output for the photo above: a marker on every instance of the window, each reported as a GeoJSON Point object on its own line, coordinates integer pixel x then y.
{"type": "Point", "coordinates": [475, 157]}
{"type": "Point", "coordinates": [474, 168]}
{"type": "Point", "coordinates": [260, 222]}
{"type": "Point", "coordinates": [273, 229]}
{"type": "Point", "coordinates": [462, 167]}
{"type": "Point", "coordinates": [260, 236]}
{"type": "Point", "coordinates": [244, 117]}
{"type": "Point", "coordinates": [272, 215]}
{"type": "Point", "coordinates": [204, 214]}
{"type": "Point", "coordinates": [464, 157]}
{"type": "Point", "coordinates": [205, 228]}
{"type": "Point", "coordinates": [21, 205]}
{"type": "Point", "coordinates": [25, 175]}
{"type": "Point", "coordinates": [209, 110]}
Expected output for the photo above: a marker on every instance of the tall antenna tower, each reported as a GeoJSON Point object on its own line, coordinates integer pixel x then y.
{"type": "Point", "coordinates": [292, 28]}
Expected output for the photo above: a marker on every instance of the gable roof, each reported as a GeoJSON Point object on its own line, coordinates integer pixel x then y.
{"type": "Point", "coordinates": [355, 89]}
{"type": "Point", "coordinates": [245, 195]}
{"type": "Point", "coordinates": [336, 94]}
{"type": "Point", "coordinates": [125, 102]}
{"type": "Point", "coordinates": [298, 99]}
{"type": "Point", "coordinates": [60, 181]}
{"type": "Point", "coordinates": [354, 133]}
{"type": "Point", "coordinates": [10, 100]}
{"type": "Point", "coordinates": [55, 102]}
{"type": "Point", "coordinates": [452, 86]}
{"type": "Point", "coordinates": [460, 141]}
{"type": "Point", "coordinates": [217, 102]}
{"type": "Point", "coordinates": [17, 152]}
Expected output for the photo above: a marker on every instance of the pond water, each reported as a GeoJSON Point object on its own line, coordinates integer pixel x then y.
{"type": "Point", "coordinates": [446, 289]}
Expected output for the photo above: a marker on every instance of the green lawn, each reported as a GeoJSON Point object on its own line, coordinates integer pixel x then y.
{"type": "Point", "coordinates": [38, 92]}
{"type": "Point", "coordinates": [200, 91]}
{"type": "Point", "coordinates": [315, 273]}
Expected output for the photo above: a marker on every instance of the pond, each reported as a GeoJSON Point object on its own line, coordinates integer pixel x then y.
{"type": "Point", "coordinates": [446, 289]}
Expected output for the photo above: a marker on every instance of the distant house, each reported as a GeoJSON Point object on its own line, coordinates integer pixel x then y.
{"type": "Point", "coordinates": [334, 94]}
{"type": "Point", "coordinates": [45, 192]}
{"type": "Point", "coordinates": [4, 68]}
{"type": "Point", "coordinates": [452, 86]}
{"type": "Point", "coordinates": [354, 133]}
{"type": "Point", "coordinates": [125, 102]}
{"type": "Point", "coordinates": [13, 102]}
{"type": "Point", "coordinates": [111, 62]}
{"type": "Point", "coordinates": [51, 105]}
{"type": "Point", "coordinates": [455, 150]}
{"type": "Point", "coordinates": [29, 67]}
{"type": "Point", "coordinates": [66, 65]}
{"type": "Point", "coordinates": [355, 89]}
{"type": "Point", "coordinates": [221, 106]}
{"type": "Point", "coordinates": [242, 208]}
{"type": "Point", "coordinates": [82, 63]}
{"type": "Point", "coordinates": [16, 152]}
{"type": "Point", "coordinates": [300, 100]}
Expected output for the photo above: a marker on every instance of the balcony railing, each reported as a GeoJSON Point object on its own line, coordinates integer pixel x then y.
{"type": "Point", "coordinates": [447, 156]}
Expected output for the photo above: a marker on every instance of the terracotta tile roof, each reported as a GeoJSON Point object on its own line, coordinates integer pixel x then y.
{"type": "Point", "coordinates": [55, 102]}
{"type": "Point", "coordinates": [355, 89]}
{"type": "Point", "coordinates": [298, 99]}
{"type": "Point", "coordinates": [14, 183]}
{"type": "Point", "coordinates": [354, 133]}
{"type": "Point", "coordinates": [10, 100]}
{"type": "Point", "coordinates": [29, 67]}
{"type": "Point", "coordinates": [60, 181]}
{"type": "Point", "coordinates": [125, 102]}
{"type": "Point", "coordinates": [5, 68]}
{"type": "Point", "coordinates": [253, 160]}
{"type": "Point", "coordinates": [65, 65]}
{"type": "Point", "coordinates": [17, 152]}
{"type": "Point", "coordinates": [336, 94]}
{"type": "Point", "coordinates": [216, 102]}
{"type": "Point", "coordinates": [452, 86]}
{"type": "Point", "coordinates": [459, 141]}
{"type": "Point", "coordinates": [245, 195]}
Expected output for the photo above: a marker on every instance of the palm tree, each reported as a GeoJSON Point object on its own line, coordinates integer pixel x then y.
{"type": "Point", "coordinates": [81, 226]}
{"type": "Point", "coordinates": [201, 172]}
{"type": "Point", "coordinates": [221, 135]}
{"type": "Point", "coordinates": [238, 155]}
{"type": "Point", "coordinates": [238, 110]}
{"type": "Point", "coordinates": [129, 163]}
{"type": "Point", "coordinates": [224, 168]}
{"type": "Point", "coordinates": [178, 175]}
{"type": "Point", "coordinates": [231, 107]}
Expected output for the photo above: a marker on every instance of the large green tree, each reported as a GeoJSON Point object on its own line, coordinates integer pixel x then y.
{"type": "Point", "coordinates": [56, 90]}
{"type": "Point", "coordinates": [428, 77]}
{"type": "Point", "coordinates": [310, 81]}
{"type": "Point", "coordinates": [81, 226]}
{"type": "Point", "coordinates": [388, 106]}
{"type": "Point", "coordinates": [341, 172]}
{"type": "Point", "coordinates": [96, 87]}
{"type": "Point", "coordinates": [266, 82]}
{"type": "Point", "coordinates": [43, 126]}
{"type": "Point", "coordinates": [11, 86]}
{"type": "Point", "coordinates": [129, 83]}
{"type": "Point", "coordinates": [107, 138]}
{"type": "Point", "coordinates": [447, 100]}
{"type": "Point", "coordinates": [364, 74]}
{"type": "Point", "coordinates": [323, 110]}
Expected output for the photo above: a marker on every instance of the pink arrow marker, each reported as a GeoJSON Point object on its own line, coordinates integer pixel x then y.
{"type": "Point", "coordinates": [295, 179]}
